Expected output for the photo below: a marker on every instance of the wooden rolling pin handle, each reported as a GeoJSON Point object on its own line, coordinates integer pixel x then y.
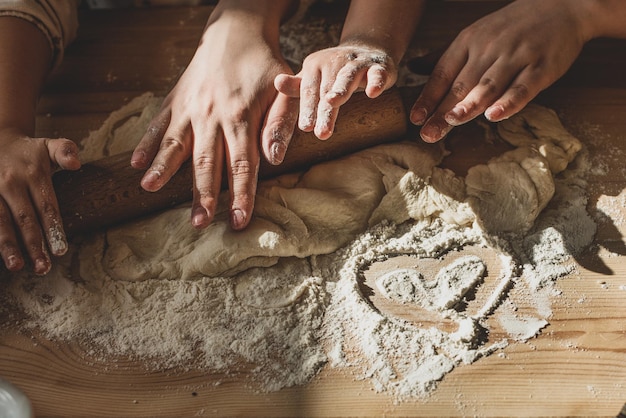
{"type": "Point", "coordinates": [108, 192]}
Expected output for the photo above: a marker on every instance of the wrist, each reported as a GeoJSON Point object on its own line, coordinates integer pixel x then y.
{"type": "Point", "coordinates": [374, 42]}
{"type": "Point", "coordinates": [602, 18]}
{"type": "Point", "coordinates": [11, 133]}
{"type": "Point", "coordinates": [383, 25]}
{"type": "Point", "coordinates": [258, 12]}
{"type": "Point", "coordinates": [251, 19]}
{"type": "Point", "coordinates": [18, 121]}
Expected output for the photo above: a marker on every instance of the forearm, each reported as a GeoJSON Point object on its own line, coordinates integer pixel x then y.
{"type": "Point", "coordinates": [603, 18]}
{"type": "Point", "coordinates": [386, 24]}
{"type": "Point", "coordinates": [258, 17]}
{"type": "Point", "coordinates": [25, 59]}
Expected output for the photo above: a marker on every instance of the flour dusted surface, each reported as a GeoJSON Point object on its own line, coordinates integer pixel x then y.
{"type": "Point", "coordinates": [286, 297]}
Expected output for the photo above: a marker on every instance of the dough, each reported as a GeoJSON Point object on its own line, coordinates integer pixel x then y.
{"type": "Point", "coordinates": [321, 210]}
{"type": "Point", "coordinates": [509, 192]}
{"type": "Point", "coordinates": [296, 215]}
{"type": "Point", "coordinates": [539, 128]}
{"type": "Point", "coordinates": [285, 296]}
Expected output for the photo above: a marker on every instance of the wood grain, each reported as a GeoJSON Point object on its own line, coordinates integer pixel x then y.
{"type": "Point", "coordinates": [575, 367]}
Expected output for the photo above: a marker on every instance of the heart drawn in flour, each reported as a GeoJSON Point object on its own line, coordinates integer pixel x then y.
{"type": "Point", "coordinates": [447, 289]}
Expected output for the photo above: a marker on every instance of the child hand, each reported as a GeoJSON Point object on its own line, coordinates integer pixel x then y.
{"type": "Point", "coordinates": [29, 212]}
{"type": "Point", "coordinates": [329, 78]}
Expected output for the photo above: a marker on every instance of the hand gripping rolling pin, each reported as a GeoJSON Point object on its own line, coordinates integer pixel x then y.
{"type": "Point", "coordinates": [107, 192]}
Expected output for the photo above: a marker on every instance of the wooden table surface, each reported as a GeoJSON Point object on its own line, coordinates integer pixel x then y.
{"type": "Point", "coordinates": [575, 367]}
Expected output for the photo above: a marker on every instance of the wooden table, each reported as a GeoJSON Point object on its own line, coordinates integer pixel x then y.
{"type": "Point", "coordinates": [575, 367]}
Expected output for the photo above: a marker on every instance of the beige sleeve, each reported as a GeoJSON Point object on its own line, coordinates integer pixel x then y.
{"type": "Point", "coordinates": [57, 19]}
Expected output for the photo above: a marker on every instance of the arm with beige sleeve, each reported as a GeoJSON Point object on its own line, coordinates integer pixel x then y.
{"type": "Point", "coordinates": [56, 19]}
{"type": "Point", "coordinates": [33, 37]}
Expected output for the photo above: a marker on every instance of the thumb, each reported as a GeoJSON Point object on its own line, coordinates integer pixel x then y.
{"type": "Point", "coordinates": [63, 153]}
{"type": "Point", "coordinates": [289, 85]}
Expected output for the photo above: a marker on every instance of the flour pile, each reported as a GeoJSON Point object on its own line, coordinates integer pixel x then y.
{"type": "Point", "coordinates": [289, 295]}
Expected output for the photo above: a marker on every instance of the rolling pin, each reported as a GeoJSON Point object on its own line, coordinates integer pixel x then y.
{"type": "Point", "coordinates": [107, 192]}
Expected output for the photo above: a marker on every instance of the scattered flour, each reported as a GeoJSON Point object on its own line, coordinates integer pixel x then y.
{"type": "Point", "coordinates": [289, 316]}
{"type": "Point", "coordinates": [286, 298]}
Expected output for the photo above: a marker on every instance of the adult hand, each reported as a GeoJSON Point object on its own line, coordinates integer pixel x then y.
{"type": "Point", "coordinates": [29, 212]}
{"type": "Point", "coordinates": [214, 115]}
{"type": "Point", "coordinates": [499, 64]}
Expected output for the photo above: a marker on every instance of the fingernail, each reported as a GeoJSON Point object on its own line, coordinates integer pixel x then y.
{"type": "Point", "coordinates": [151, 180]}
{"type": "Point", "coordinates": [277, 152]}
{"type": "Point", "coordinates": [56, 240]}
{"type": "Point", "coordinates": [238, 218]}
{"type": "Point", "coordinates": [418, 116]}
{"type": "Point", "coordinates": [306, 121]}
{"type": "Point", "coordinates": [138, 158]}
{"type": "Point", "coordinates": [454, 116]}
{"type": "Point", "coordinates": [13, 262]}
{"type": "Point", "coordinates": [433, 132]}
{"type": "Point", "coordinates": [494, 113]}
{"type": "Point", "coordinates": [42, 266]}
{"type": "Point", "coordinates": [199, 218]}
{"type": "Point", "coordinates": [430, 133]}
{"type": "Point", "coordinates": [69, 151]}
{"type": "Point", "coordinates": [151, 176]}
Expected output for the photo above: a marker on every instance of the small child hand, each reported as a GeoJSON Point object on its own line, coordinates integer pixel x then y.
{"type": "Point", "coordinates": [329, 78]}
{"type": "Point", "coordinates": [29, 212]}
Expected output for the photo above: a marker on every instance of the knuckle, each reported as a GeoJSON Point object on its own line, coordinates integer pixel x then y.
{"type": "Point", "coordinates": [459, 90]}
{"type": "Point", "coordinates": [24, 219]}
{"type": "Point", "coordinates": [242, 168]}
{"type": "Point", "coordinates": [466, 36]}
{"type": "Point", "coordinates": [239, 114]}
{"type": "Point", "coordinates": [489, 86]}
{"type": "Point", "coordinates": [471, 107]}
{"type": "Point", "coordinates": [238, 121]}
{"type": "Point", "coordinates": [48, 210]}
{"type": "Point", "coordinates": [351, 56]}
{"type": "Point", "coordinates": [519, 92]}
{"type": "Point", "coordinates": [354, 67]}
{"type": "Point", "coordinates": [308, 59]}
{"type": "Point", "coordinates": [309, 91]}
{"type": "Point", "coordinates": [205, 163]}
{"type": "Point", "coordinates": [379, 59]}
{"type": "Point", "coordinates": [174, 143]}
{"type": "Point", "coordinates": [153, 131]}
{"type": "Point", "coordinates": [441, 75]}
{"type": "Point", "coordinates": [9, 178]}
{"type": "Point", "coordinates": [14, 178]}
